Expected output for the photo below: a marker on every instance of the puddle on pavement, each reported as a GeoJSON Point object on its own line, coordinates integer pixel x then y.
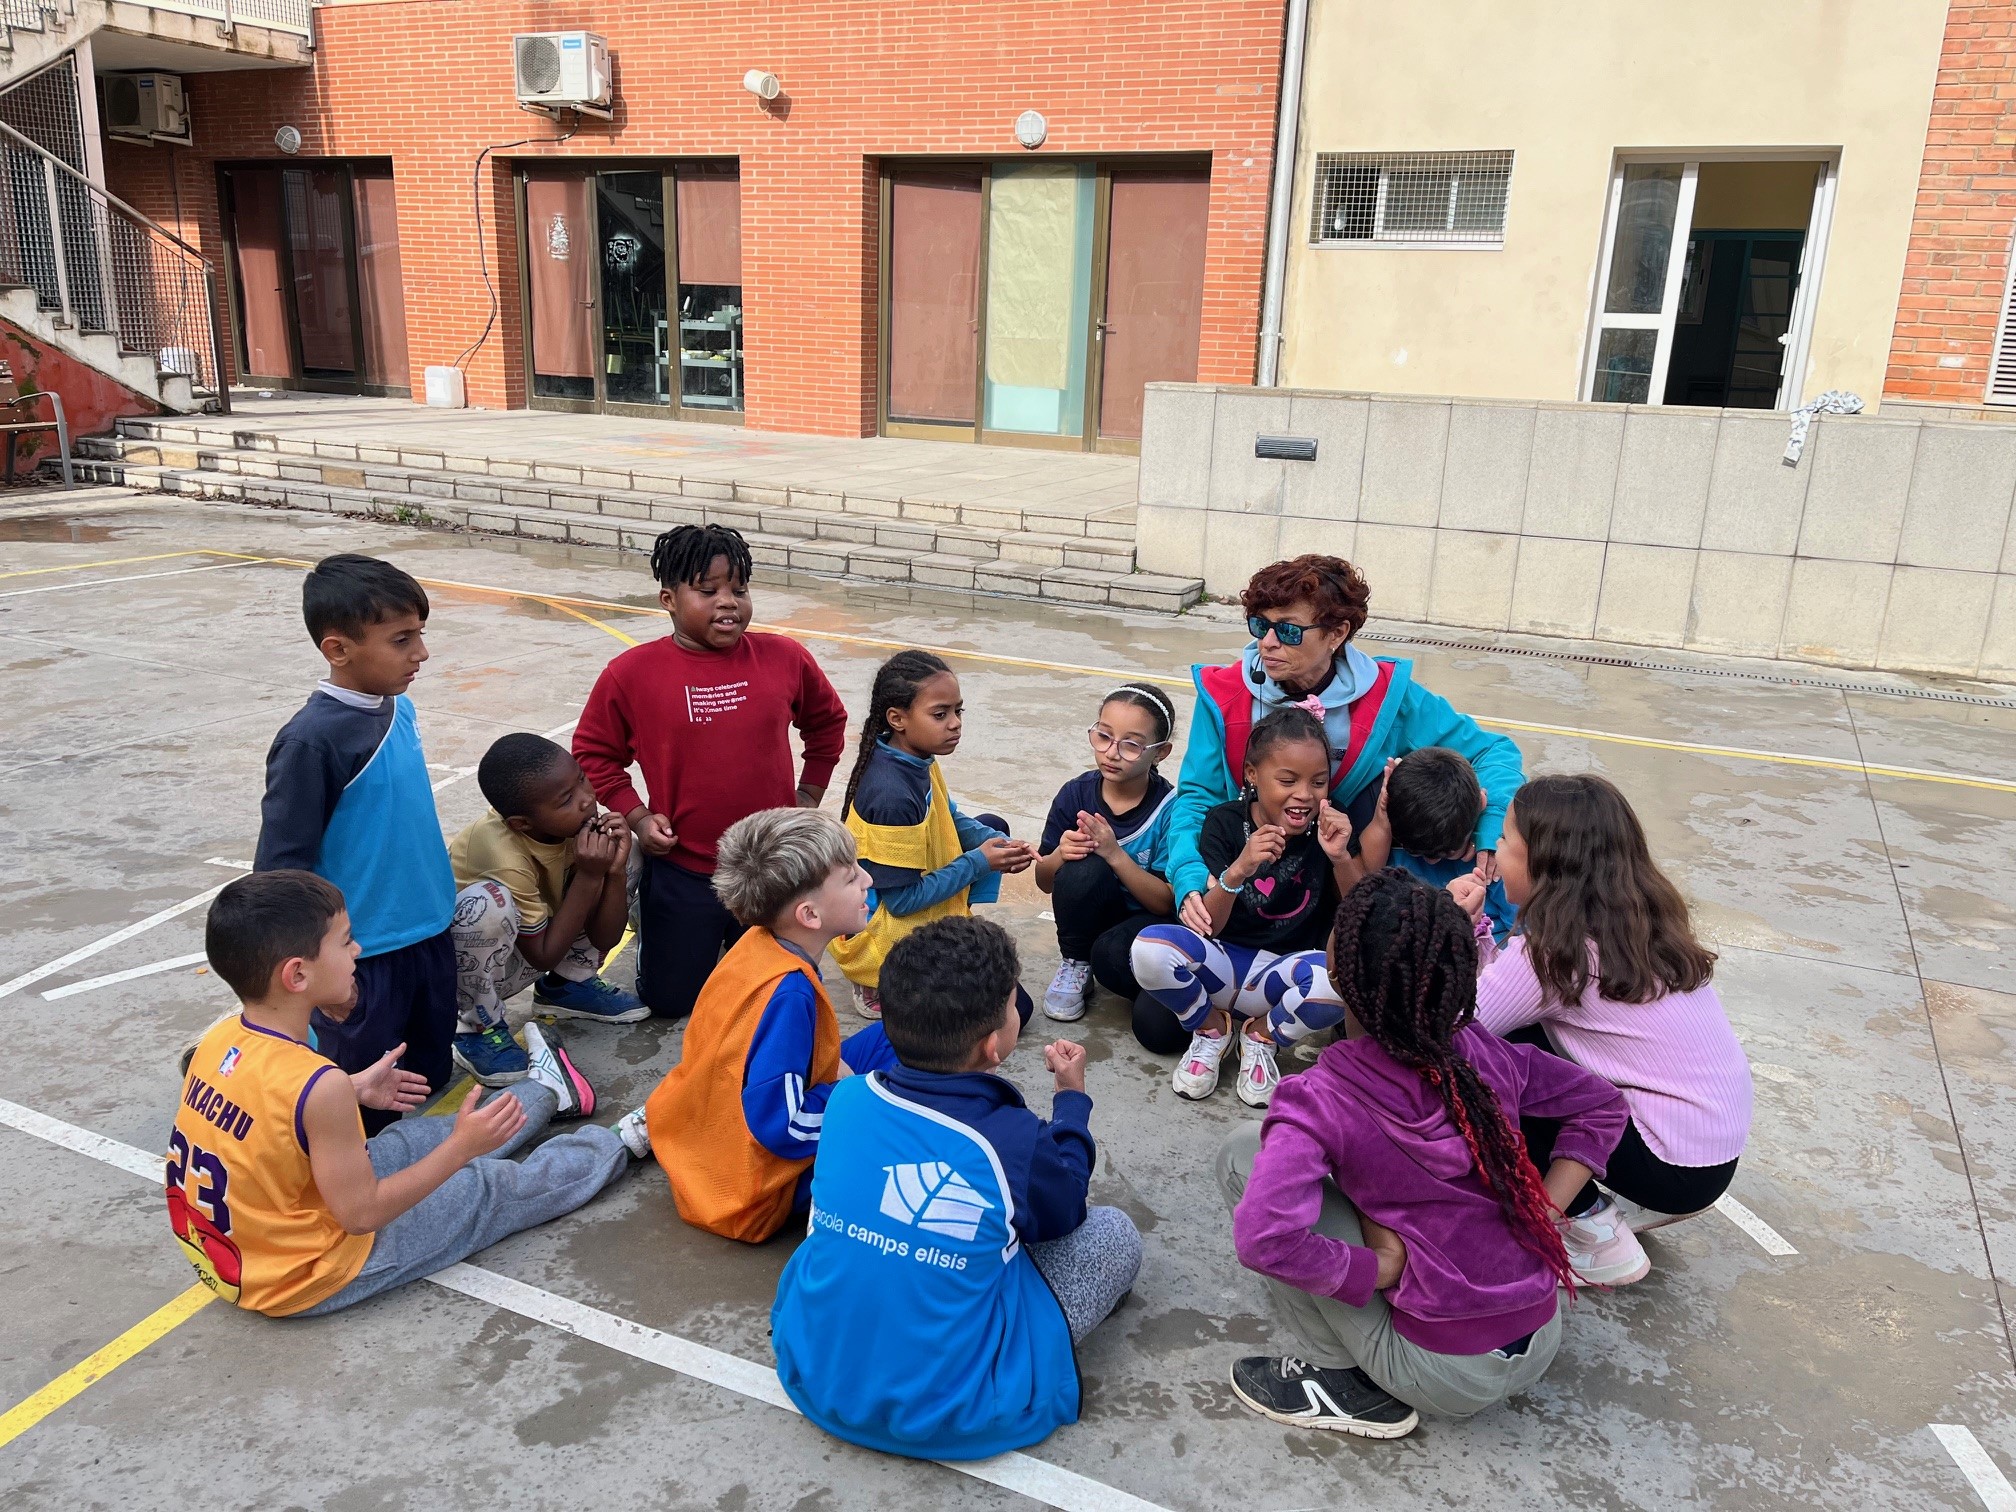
{"type": "Point", "coordinates": [44, 528]}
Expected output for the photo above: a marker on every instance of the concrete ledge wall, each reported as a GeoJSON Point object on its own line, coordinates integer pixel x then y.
{"type": "Point", "coordinates": [1890, 544]}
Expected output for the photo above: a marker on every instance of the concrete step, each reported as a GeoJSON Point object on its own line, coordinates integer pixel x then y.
{"type": "Point", "coordinates": [786, 516]}
{"type": "Point", "coordinates": [918, 562]}
{"type": "Point", "coordinates": [222, 435]}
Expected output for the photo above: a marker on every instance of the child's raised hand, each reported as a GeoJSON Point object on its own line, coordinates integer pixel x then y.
{"type": "Point", "coordinates": [1263, 849]}
{"type": "Point", "coordinates": [1066, 1061]}
{"type": "Point", "coordinates": [594, 851]}
{"type": "Point", "coordinates": [1333, 831]}
{"type": "Point", "coordinates": [1469, 894]}
{"type": "Point", "coordinates": [388, 1085]}
{"type": "Point", "coordinates": [1075, 844]}
{"type": "Point", "coordinates": [484, 1124]}
{"type": "Point", "coordinates": [1098, 832]}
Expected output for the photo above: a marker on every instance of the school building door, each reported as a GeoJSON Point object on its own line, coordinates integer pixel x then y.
{"type": "Point", "coordinates": [1028, 303]}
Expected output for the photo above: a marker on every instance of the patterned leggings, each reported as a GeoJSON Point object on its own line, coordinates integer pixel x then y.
{"type": "Point", "coordinates": [1190, 975]}
{"type": "Point", "coordinates": [488, 968]}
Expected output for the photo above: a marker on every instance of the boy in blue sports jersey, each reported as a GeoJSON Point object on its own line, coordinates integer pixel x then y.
{"type": "Point", "coordinates": [951, 1265]}
{"type": "Point", "coordinates": [1424, 823]}
{"type": "Point", "coordinates": [349, 799]}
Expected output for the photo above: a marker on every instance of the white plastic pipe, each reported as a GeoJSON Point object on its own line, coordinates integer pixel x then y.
{"type": "Point", "coordinates": [1287, 131]}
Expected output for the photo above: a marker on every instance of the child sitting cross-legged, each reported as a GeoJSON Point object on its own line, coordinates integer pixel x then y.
{"type": "Point", "coordinates": [736, 1123]}
{"type": "Point", "coordinates": [1426, 824]}
{"type": "Point", "coordinates": [1408, 1245]}
{"type": "Point", "coordinates": [951, 1265]}
{"type": "Point", "coordinates": [274, 1193]}
{"type": "Point", "coordinates": [543, 898]}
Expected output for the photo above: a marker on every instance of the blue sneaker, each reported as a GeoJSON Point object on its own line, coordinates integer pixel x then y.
{"type": "Point", "coordinates": [492, 1057]}
{"type": "Point", "coordinates": [592, 999]}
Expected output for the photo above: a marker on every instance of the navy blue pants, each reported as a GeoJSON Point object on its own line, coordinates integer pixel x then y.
{"type": "Point", "coordinates": [682, 930]}
{"type": "Point", "coordinates": [405, 995]}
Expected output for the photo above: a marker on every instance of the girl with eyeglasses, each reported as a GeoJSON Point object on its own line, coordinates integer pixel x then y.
{"type": "Point", "coordinates": [1102, 854]}
{"type": "Point", "coordinates": [1303, 616]}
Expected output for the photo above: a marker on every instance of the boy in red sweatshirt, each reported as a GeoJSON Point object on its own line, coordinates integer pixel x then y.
{"type": "Point", "coordinates": [705, 713]}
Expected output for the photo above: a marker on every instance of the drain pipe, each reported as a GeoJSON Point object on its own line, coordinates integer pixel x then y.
{"type": "Point", "coordinates": [1287, 130]}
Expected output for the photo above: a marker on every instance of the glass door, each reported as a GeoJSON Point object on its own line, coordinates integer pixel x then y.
{"type": "Point", "coordinates": [1154, 305]}
{"type": "Point", "coordinates": [1036, 325]}
{"type": "Point", "coordinates": [632, 289]}
{"type": "Point", "coordinates": [319, 252]}
{"type": "Point", "coordinates": [1651, 205]}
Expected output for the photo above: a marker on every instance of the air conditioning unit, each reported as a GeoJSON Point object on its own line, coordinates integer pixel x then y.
{"type": "Point", "coordinates": [562, 71]}
{"type": "Point", "coordinates": [146, 105]}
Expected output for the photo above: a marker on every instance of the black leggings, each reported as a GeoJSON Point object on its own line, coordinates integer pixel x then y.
{"type": "Point", "coordinates": [1634, 1172]}
{"type": "Point", "coordinates": [1097, 922]}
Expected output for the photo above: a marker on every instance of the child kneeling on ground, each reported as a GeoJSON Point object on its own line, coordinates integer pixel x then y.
{"type": "Point", "coordinates": [1406, 1241]}
{"type": "Point", "coordinates": [736, 1123]}
{"type": "Point", "coordinates": [543, 897]}
{"type": "Point", "coordinates": [275, 1195]}
{"type": "Point", "coordinates": [951, 1265]}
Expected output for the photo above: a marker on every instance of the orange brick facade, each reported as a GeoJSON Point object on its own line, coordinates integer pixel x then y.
{"type": "Point", "coordinates": [1958, 262]}
{"type": "Point", "coordinates": [428, 83]}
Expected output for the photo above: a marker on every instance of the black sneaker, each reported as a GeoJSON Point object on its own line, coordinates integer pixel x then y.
{"type": "Point", "coordinates": [1309, 1396]}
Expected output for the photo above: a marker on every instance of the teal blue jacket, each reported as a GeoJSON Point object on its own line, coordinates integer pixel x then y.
{"type": "Point", "coordinates": [1410, 719]}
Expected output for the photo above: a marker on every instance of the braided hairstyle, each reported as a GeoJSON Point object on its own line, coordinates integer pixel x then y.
{"type": "Point", "coordinates": [897, 683]}
{"type": "Point", "coordinates": [685, 552]}
{"type": "Point", "coordinates": [1404, 960]}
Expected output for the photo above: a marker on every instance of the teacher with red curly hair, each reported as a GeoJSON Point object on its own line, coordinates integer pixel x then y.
{"type": "Point", "coordinates": [1302, 615]}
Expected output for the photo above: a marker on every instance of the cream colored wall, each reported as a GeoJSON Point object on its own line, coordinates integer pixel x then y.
{"type": "Point", "coordinates": [1568, 87]}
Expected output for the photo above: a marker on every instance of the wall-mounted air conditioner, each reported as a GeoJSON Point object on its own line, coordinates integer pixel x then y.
{"type": "Point", "coordinates": [148, 106]}
{"type": "Point", "coordinates": [562, 71]}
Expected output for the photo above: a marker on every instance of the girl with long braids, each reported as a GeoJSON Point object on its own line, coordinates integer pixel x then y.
{"type": "Point", "coordinates": [1406, 1240]}
{"type": "Point", "coordinates": [927, 859]}
{"type": "Point", "coordinates": [706, 713]}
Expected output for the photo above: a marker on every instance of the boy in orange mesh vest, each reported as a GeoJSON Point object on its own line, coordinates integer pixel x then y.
{"type": "Point", "coordinates": [736, 1123]}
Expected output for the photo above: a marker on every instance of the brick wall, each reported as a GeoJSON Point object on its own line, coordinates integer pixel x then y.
{"type": "Point", "coordinates": [1958, 260]}
{"type": "Point", "coordinates": [428, 83]}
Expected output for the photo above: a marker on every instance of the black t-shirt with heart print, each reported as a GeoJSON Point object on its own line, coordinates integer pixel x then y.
{"type": "Point", "coordinates": [1286, 907]}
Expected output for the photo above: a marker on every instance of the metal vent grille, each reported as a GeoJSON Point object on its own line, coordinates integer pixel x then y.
{"type": "Point", "coordinates": [538, 65]}
{"type": "Point", "coordinates": [1452, 198]}
{"type": "Point", "coordinates": [122, 103]}
{"type": "Point", "coordinates": [2002, 365]}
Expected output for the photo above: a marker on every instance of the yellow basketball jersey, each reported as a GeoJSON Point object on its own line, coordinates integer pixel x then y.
{"type": "Point", "coordinates": [241, 1197]}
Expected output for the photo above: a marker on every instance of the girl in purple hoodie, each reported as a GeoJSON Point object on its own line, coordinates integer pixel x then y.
{"type": "Point", "coordinates": [1406, 1241]}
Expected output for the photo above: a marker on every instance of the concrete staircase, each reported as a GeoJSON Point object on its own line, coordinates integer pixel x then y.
{"type": "Point", "coordinates": [992, 548]}
{"type": "Point", "coordinates": [100, 350]}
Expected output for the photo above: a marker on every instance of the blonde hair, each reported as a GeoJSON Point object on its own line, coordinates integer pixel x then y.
{"type": "Point", "coordinates": [771, 859]}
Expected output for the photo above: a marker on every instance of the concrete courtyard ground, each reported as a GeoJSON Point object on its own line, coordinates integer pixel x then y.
{"type": "Point", "coordinates": [1848, 854]}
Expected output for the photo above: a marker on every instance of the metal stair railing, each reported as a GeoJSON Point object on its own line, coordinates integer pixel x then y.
{"type": "Point", "coordinates": [102, 266]}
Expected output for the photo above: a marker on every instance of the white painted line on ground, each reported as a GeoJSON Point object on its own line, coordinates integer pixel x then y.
{"type": "Point", "coordinates": [85, 952]}
{"type": "Point", "coordinates": [234, 864]}
{"type": "Point", "coordinates": [131, 973]}
{"type": "Point", "coordinates": [1023, 1474]}
{"type": "Point", "coordinates": [135, 1162]}
{"type": "Point", "coordinates": [1987, 1479]}
{"type": "Point", "coordinates": [1772, 1242]}
{"type": "Point", "coordinates": [136, 577]}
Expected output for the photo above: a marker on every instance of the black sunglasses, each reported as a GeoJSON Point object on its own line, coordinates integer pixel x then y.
{"type": "Point", "coordinates": [1285, 631]}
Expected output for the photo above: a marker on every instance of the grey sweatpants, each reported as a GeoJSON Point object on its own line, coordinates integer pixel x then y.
{"type": "Point", "coordinates": [487, 1200]}
{"type": "Point", "coordinates": [1337, 1336]}
{"type": "Point", "coordinates": [1091, 1268]}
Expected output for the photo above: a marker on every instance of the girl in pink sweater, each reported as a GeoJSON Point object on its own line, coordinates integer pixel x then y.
{"type": "Point", "coordinates": [1605, 971]}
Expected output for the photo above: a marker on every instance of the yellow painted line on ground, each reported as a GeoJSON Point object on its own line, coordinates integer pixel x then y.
{"type": "Point", "coordinates": [96, 1366]}
{"type": "Point", "coordinates": [159, 556]}
{"type": "Point", "coordinates": [572, 605]}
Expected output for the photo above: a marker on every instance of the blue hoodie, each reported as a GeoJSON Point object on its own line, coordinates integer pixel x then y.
{"type": "Point", "coordinates": [1410, 718]}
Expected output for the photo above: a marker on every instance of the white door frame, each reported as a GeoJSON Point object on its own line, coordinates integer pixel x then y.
{"type": "Point", "coordinates": [1812, 263]}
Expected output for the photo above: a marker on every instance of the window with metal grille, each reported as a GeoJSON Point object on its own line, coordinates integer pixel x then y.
{"type": "Point", "coordinates": [1425, 198]}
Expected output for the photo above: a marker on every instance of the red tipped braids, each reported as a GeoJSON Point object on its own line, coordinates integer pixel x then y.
{"type": "Point", "coordinates": [1404, 960]}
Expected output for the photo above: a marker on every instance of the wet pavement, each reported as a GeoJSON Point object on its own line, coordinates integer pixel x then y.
{"type": "Point", "coordinates": [1861, 909]}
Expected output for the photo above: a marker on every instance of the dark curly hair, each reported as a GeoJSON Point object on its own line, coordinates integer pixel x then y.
{"type": "Point", "coordinates": [1403, 958]}
{"type": "Point", "coordinates": [1331, 584]}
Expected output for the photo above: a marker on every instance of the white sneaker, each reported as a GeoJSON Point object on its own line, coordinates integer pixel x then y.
{"type": "Point", "coordinates": [1259, 1073]}
{"type": "Point", "coordinates": [1068, 992]}
{"type": "Point", "coordinates": [1196, 1075]}
{"type": "Point", "coordinates": [634, 1133]}
{"type": "Point", "coordinates": [550, 1066]}
{"type": "Point", "coordinates": [867, 1001]}
{"type": "Point", "coordinates": [1602, 1248]}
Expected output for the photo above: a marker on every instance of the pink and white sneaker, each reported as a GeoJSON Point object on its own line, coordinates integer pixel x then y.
{"type": "Point", "coordinates": [1259, 1071]}
{"type": "Point", "coordinates": [1602, 1248]}
{"type": "Point", "coordinates": [1196, 1075]}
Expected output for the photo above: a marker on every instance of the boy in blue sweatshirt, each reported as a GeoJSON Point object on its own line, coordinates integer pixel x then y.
{"type": "Point", "coordinates": [951, 1265]}
{"type": "Point", "coordinates": [1429, 807]}
{"type": "Point", "coordinates": [348, 798]}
